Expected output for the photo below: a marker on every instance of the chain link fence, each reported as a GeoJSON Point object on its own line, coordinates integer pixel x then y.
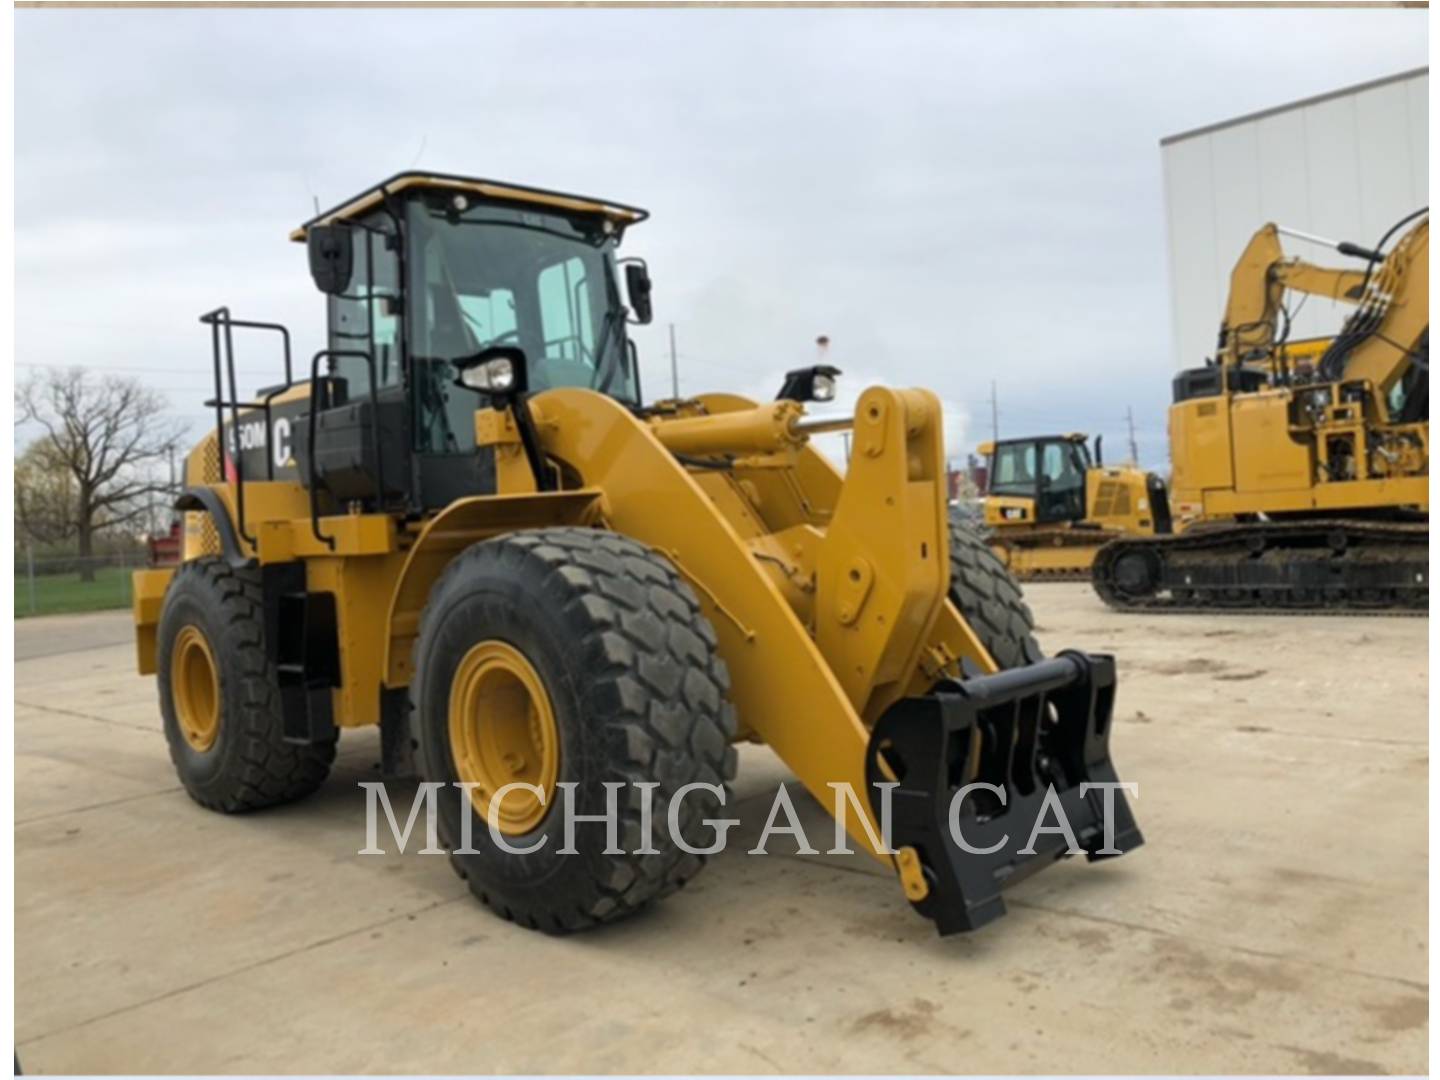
{"type": "Point", "coordinates": [54, 584]}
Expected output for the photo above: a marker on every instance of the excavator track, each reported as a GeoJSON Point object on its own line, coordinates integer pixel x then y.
{"type": "Point", "coordinates": [1313, 567]}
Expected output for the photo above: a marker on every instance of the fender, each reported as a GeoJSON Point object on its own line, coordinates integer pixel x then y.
{"type": "Point", "coordinates": [206, 500]}
{"type": "Point", "coordinates": [462, 523]}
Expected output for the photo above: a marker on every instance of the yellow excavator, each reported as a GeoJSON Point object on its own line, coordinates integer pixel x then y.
{"type": "Point", "coordinates": [1300, 475]}
{"type": "Point", "coordinates": [1052, 504]}
{"type": "Point", "coordinates": [562, 604]}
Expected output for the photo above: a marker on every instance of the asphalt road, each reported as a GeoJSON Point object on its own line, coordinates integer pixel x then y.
{"type": "Point", "coordinates": [56, 635]}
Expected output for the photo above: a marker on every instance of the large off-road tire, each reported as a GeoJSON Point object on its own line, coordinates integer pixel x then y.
{"type": "Point", "coordinates": [989, 597]}
{"type": "Point", "coordinates": [602, 648]}
{"type": "Point", "coordinates": [220, 697]}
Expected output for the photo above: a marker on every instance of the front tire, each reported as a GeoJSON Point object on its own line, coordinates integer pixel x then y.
{"type": "Point", "coordinates": [220, 697]}
{"type": "Point", "coordinates": [576, 656]}
{"type": "Point", "coordinates": [990, 599]}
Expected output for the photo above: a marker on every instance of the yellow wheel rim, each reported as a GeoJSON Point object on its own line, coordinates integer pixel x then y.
{"type": "Point", "coordinates": [195, 688]}
{"type": "Point", "coordinates": [502, 731]}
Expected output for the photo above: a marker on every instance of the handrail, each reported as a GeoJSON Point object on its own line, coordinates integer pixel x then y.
{"type": "Point", "coordinates": [221, 329]}
{"type": "Point", "coordinates": [222, 343]}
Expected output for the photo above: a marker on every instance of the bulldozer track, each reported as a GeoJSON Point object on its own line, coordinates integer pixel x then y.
{"type": "Point", "coordinates": [1012, 551]}
{"type": "Point", "coordinates": [1051, 575]}
{"type": "Point", "coordinates": [1350, 551]}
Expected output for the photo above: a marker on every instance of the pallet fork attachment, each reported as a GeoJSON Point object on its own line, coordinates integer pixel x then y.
{"type": "Point", "coordinates": [974, 765]}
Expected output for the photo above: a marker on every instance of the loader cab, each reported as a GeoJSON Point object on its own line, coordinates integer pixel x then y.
{"type": "Point", "coordinates": [1039, 480]}
{"type": "Point", "coordinates": [424, 273]}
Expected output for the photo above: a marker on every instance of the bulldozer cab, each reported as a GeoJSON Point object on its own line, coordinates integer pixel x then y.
{"type": "Point", "coordinates": [424, 275]}
{"type": "Point", "coordinates": [1048, 470]}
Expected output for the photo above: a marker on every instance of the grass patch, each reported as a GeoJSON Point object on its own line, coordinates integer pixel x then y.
{"type": "Point", "coordinates": [56, 594]}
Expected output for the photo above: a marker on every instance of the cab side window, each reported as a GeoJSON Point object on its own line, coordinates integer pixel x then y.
{"type": "Point", "coordinates": [1060, 468]}
{"type": "Point", "coordinates": [567, 327]}
{"type": "Point", "coordinates": [366, 319]}
{"type": "Point", "coordinates": [565, 311]}
{"type": "Point", "coordinates": [491, 316]}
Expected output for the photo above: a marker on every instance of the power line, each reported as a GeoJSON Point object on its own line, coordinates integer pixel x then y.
{"type": "Point", "coordinates": [197, 371]}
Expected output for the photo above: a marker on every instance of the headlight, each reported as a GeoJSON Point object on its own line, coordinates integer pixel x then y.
{"type": "Point", "coordinates": [492, 377]}
{"type": "Point", "coordinates": [814, 383]}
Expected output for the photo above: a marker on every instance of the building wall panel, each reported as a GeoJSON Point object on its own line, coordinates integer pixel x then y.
{"type": "Point", "coordinates": [1344, 166]}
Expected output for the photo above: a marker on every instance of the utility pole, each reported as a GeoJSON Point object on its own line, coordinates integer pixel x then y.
{"type": "Point", "coordinates": [674, 367]}
{"type": "Point", "coordinates": [994, 414]}
{"type": "Point", "coordinates": [1130, 420]}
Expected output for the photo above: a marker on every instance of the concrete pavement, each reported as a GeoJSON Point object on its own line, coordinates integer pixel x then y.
{"type": "Point", "coordinates": [1275, 920]}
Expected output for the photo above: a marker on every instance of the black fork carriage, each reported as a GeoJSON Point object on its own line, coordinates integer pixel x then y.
{"type": "Point", "coordinates": [991, 779]}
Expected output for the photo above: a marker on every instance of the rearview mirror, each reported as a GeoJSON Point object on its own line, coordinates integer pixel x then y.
{"type": "Point", "coordinates": [637, 286]}
{"type": "Point", "coordinates": [332, 257]}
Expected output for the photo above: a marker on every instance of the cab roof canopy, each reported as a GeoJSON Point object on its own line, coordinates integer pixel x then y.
{"type": "Point", "coordinates": [619, 213]}
{"type": "Point", "coordinates": [1073, 436]}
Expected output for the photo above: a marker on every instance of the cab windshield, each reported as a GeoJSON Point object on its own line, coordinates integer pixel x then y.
{"type": "Point", "coordinates": [1014, 470]}
{"type": "Point", "coordinates": [1062, 464]}
{"type": "Point", "coordinates": [490, 275]}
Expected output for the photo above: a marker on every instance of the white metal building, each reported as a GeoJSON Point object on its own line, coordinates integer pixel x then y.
{"type": "Point", "coordinates": [1344, 165]}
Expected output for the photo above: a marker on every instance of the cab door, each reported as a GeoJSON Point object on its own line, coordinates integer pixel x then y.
{"type": "Point", "coordinates": [1061, 495]}
{"type": "Point", "coordinates": [361, 444]}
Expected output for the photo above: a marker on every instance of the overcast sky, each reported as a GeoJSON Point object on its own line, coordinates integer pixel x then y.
{"type": "Point", "coordinates": [953, 196]}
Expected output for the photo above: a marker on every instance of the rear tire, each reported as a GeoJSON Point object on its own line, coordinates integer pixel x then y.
{"type": "Point", "coordinates": [237, 759]}
{"type": "Point", "coordinates": [635, 691]}
{"type": "Point", "coordinates": [989, 597]}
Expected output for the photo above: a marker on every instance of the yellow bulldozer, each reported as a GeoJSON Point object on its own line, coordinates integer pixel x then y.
{"type": "Point", "coordinates": [1300, 471]}
{"type": "Point", "coordinates": [1052, 504]}
{"type": "Point", "coordinates": [559, 603]}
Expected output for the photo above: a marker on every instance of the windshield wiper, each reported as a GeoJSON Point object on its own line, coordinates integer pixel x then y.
{"type": "Point", "coordinates": [607, 327]}
{"type": "Point", "coordinates": [432, 396]}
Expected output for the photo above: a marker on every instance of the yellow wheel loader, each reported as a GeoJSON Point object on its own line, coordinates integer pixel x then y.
{"type": "Point", "coordinates": [1051, 505]}
{"type": "Point", "coordinates": [562, 604]}
{"type": "Point", "coordinates": [1301, 471]}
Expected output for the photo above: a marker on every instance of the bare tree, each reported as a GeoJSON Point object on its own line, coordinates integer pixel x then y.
{"type": "Point", "coordinates": [97, 464]}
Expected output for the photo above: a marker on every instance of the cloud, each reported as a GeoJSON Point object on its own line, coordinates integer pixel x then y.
{"type": "Point", "coordinates": [955, 196]}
